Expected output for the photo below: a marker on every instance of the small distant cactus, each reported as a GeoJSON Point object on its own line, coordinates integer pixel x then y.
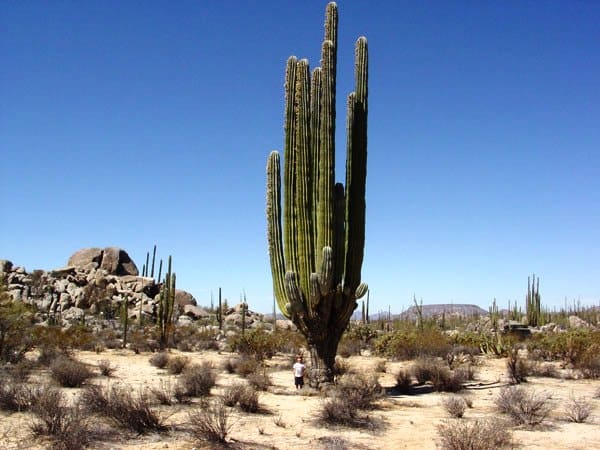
{"type": "Point", "coordinates": [533, 302]}
{"type": "Point", "coordinates": [166, 307]}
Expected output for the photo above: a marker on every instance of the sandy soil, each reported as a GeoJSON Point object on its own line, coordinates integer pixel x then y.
{"type": "Point", "coordinates": [288, 418]}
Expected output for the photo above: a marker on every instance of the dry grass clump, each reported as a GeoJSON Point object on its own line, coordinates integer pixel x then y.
{"type": "Point", "coordinates": [70, 373]}
{"type": "Point", "coordinates": [481, 434]}
{"type": "Point", "coordinates": [197, 380]}
{"type": "Point", "coordinates": [123, 407]}
{"type": "Point", "coordinates": [163, 393]}
{"type": "Point", "coordinates": [334, 443]}
{"type": "Point", "coordinates": [455, 405]}
{"type": "Point", "coordinates": [231, 394]}
{"type": "Point", "coordinates": [341, 366]}
{"type": "Point", "coordinates": [159, 360]}
{"type": "Point", "coordinates": [176, 364]}
{"type": "Point", "coordinates": [67, 427]}
{"type": "Point", "coordinates": [243, 365]}
{"type": "Point", "coordinates": [106, 368]}
{"type": "Point", "coordinates": [337, 410]}
{"type": "Point", "coordinates": [15, 397]}
{"type": "Point", "coordinates": [547, 370]}
{"type": "Point", "coordinates": [210, 422]}
{"type": "Point", "coordinates": [577, 410]}
{"type": "Point", "coordinates": [524, 407]}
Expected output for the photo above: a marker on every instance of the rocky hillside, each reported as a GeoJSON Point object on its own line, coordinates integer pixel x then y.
{"type": "Point", "coordinates": [449, 310]}
{"type": "Point", "coordinates": [96, 282]}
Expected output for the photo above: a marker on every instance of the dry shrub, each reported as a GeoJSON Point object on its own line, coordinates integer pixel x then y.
{"type": "Point", "coordinates": [21, 370]}
{"type": "Point", "coordinates": [123, 407]}
{"type": "Point", "coordinates": [518, 367]}
{"type": "Point", "coordinates": [455, 405]}
{"type": "Point", "coordinates": [66, 426]}
{"type": "Point", "coordinates": [441, 377]}
{"type": "Point", "coordinates": [589, 363]}
{"type": "Point", "coordinates": [230, 365]}
{"type": "Point", "coordinates": [106, 368]}
{"type": "Point", "coordinates": [163, 393]}
{"type": "Point", "coordinates": [14, 397]}
{"type": "Point", "coordinates": [547, 370]}
{"type": "Point", "coordinates": [380, 366]}
{"type": "Point", "coordinates": [210, 422]}
{"type": "Point", "coordinates": [577, 410]}
{"type": "Point", "coordinates": [231, 394]}
{"type": "Point", "coordinates": [246, 365]}
{"type": "Point", "coordinates": [70, 373]}
{"type": "Point", "coordinates": [334, 443]}
{"type": "Point", "coordinates": [249, 399]}
{"type": "Point", "coordinates": [360, 390]}
{"type": "Point", "coordinates": [177, 364]}
{"type": "Point", "coordinates": [349, 347]}
{"type": "Point", "coordinates": [524, 407]}
{"type": "Point", "coordinates": [159, 360]}
{"type": "Point", "coordinates": [260, 380]}
{"type": "Point", "coordinates": [481, 434]}
{"type": "Point", "coordinates": [403, 381]}
{"type": "Point", "coordinates": [337, 410]}
{"type": "Point", "coordinates": [197, 380]}
{"type": "Point", "coordinates": [341, 366]}
{"type": "Point", "coordinates": [597, 393]}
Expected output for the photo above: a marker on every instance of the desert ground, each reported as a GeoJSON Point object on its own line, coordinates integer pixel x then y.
{"type": "Point", "coordinates": [288, 419]}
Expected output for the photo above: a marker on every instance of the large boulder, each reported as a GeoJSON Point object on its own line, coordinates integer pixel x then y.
{"type": "Point", "coordinates": [183, 298]}
{"type": "Point", "coordinates": [113, 260]}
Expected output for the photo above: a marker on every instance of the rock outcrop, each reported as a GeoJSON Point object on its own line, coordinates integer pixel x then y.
{"type": "Point", "coordinates": [113, 260]}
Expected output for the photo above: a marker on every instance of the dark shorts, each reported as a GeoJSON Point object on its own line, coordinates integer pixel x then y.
{"type": "Point", "coordinates": [299, 381]}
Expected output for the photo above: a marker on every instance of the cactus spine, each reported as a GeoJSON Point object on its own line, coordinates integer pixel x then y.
{"type": "Point", "coordinates": [316, 242]}
{"type": "Point", "coordinates": [533, 302]}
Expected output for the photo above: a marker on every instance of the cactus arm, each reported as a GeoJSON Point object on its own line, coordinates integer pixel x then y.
{"type": "Point", "coordinates": [274, 230]}
{"type": "Point", "coordinates": [303, 194]}
{"type": "Point", "coordinates": [356, 170]}
{"type": "Point", "coordinates": [289, 178]}
{"type": "Point", "coordinates": [315, 126]}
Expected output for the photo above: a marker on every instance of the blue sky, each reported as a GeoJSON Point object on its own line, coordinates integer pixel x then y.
{"type": "Point", "coordinates": [138, 123]}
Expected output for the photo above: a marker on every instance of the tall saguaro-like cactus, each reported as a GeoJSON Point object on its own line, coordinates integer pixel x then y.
{"type": "Point", "coordinates": [533, 302]}
{"type": "Point", "coordinates": [316, 242]}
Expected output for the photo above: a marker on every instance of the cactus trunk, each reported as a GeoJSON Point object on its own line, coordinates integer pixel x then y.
{"type": "Point", "coordinates": [316, 241]}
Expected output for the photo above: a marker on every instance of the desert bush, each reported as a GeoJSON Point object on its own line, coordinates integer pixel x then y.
{"type": "Point", "coordinates": [412, 343]}
{"type": "Point", "coordinates": [197, 380]}
{"type": "Point", "coordinates": [334, 443]}
{"type": "Point", "coordinates": [16, 325]}
{"type": "Point", "coordinates": [192, 338]}
{"type": "Point", "coordinates": [159, 360]}
{"type": "Point", "coordinates": [145, 340]}
{"type": "Point", "coordinates": [257, 343]}
{"type": "Point", "coordinates": [47, 354]}
{"type": "Point", "coordinates": [249, 399]}
{"type": "Point", "coordinates": [177, 364]}
{"type": "Point", "coordinates": [455, 405]}
{"type": "Point", "coordinates": [577, 410]}
{"type": "Point", "coordinates": [360, 391]}
{"type": "Point", "coordinates": [403, 381]}
{"type": "Point", "coordinates": [123, 407]}
{"type": "Point", "coordinates": [246, 365]}
{"type": "Point", "coordinates": [589, 362]}
{"type": "Point", "coordinates": [20, 370]}
{"type": "Point", "coordinates": [67, 427]}
{"type": "Point", "coordinates": [230, 365]}
{"type": "Point", "coordinates": [441, 377]}
{"type": "Point", "coordinates": [210, 422]}
{"type": "Point", "coordinates": [341, 366]}
{"type": "Point", "coordinates": [349, 347]}
{"type": "Point", "coordinates": [518, 367]}
{"type": "Point", "coordinates": [539, 369]}
{"type": "Point", "coordinates": [76, 337]}
{"type": "Point", "coordinates": [524, 407]}
{"type": "Point", "coordinates": [337, 410]}
{"type": "Point", "coordinates": [260, 380]}
{"type": "Point", "coordinates": [163, 393]}
{"type": "Point", "coordinates": [481, 434]}
{"type": "Point", "coordinates": [106, 368]}
{"type": "Point", "coordinates": [231, 394]}
{"type": "Point", "coordinates": [14, 397]}
{"type": "Point", "coordinates": [569, 346]}
{"type": "Point", "coordinates": [69, 372]}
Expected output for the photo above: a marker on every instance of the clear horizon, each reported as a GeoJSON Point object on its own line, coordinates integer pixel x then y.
{"type": "Point", "coordinates": [131, 124]}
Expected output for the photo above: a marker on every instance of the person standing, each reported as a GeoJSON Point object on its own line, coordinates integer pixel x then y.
{"type": "Point", "coordinates": [298, 368]}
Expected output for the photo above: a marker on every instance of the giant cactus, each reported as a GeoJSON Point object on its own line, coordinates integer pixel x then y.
{"type": "Point", "coordinates": [316, 242]}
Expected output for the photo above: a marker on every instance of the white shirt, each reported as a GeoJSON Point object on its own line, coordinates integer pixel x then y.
{"type": "Point", "coordinates": [298, 369]}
